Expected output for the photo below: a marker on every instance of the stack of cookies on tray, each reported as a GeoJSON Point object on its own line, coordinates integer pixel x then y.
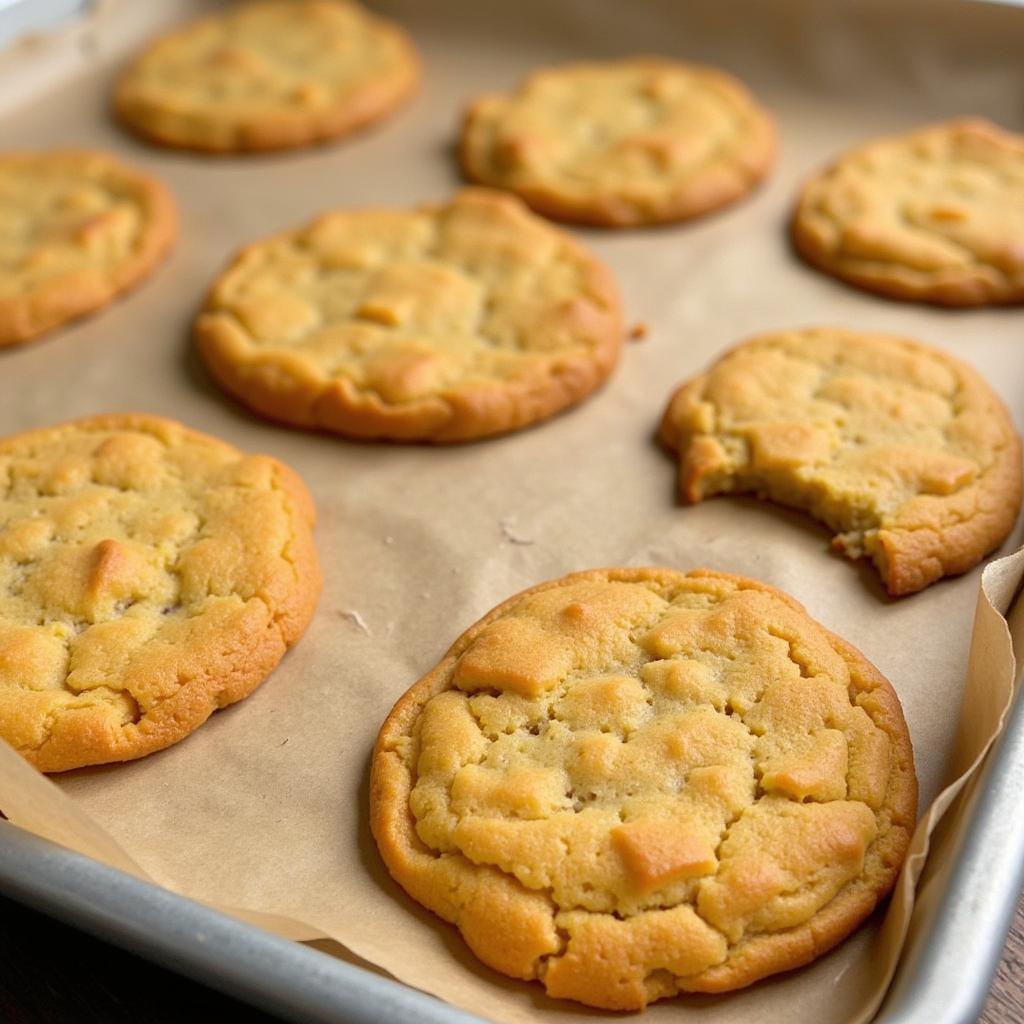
{"type": "Point", "coordinates": [660, 781]}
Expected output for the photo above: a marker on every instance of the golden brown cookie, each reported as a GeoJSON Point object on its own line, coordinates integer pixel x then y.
{"type": "Point", "coordinates": [621, 143]}
{"type": "Point", "coordinates": [902, 450]}
{"type": "Point", "coordinates": [77, 228]}
{"type": "Point", "coordinates": [268, 74]}
{"type": "Point", "coordinates": [149, 575]}
{"type": "Point", "coordinates": [442, 323]}
{"type": "Point", "coordinates": [933, 216]}
{"type": "Point", "coordinates": [630, 783]}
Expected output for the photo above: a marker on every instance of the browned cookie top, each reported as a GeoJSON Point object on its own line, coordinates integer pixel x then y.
{"type": "Point", "coordinates": [936, 215]}
{"type": "Point", "coordinates": [630, 783]}
{"type": "Point", "coordinates": [268, 74]}
{"type": "Point", "coordinates": [149, 574]}
{"type": "Point", "coordinates": [442, 323]}
{"type": "Point", "coordinates": [76, 228]}
{"type": "Point", "coordinates": [619, 143]}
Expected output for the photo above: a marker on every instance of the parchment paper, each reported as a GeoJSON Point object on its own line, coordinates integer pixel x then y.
{"type": "Point", "coordinates": [264, 807]}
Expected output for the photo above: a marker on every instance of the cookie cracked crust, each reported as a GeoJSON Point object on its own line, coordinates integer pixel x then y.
{"type": "Point", "coordinates": [902, 450]}
{"type": "Point", "coordinates": [444, 323]}
{"type": "Point", "coordinates": [268, 74]}
{"type": "Point", "coordinates": [934, 216]}
{"type": "Point", "coordinates": [149, 575]}
{"type": "Point", "coordinates": [657, 782]}
{"type": "Point", "coordinates": [77, 228]}
{"type": "Point", "coordinates": [621, 143]}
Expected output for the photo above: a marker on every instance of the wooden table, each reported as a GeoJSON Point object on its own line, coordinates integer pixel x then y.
{"type": "Point", "coordinates": [1006, 999]}
{"type": "Point", "coordinates": [52, 974]}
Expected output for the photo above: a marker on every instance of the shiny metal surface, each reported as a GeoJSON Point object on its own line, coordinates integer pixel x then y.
{"type": "Point", "coordinates": [287, 978]}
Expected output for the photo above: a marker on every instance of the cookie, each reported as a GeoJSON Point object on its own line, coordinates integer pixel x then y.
{"type": "Point", "coordinates": [933, 216]}
{"type": "Point", "coordinates": [621, 143]}
{"type": "Point", "coordinates": [77, 228]}
{"type": "Point", "coordinates": [630, 783]}
{"type": "Point", "coordinates": [149, 575]}
{"type": "Point", "coordinates": [442, 323]}
{"type": "Point", "coordinates": [268, 74]}
{"type": "Point", "coordinates": [902, 450]}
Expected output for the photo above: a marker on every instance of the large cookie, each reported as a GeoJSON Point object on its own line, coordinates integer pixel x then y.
{"type": "Point", "coordinates": [627, 142]}
{"type": "Point", "coordinates": [630, 783]}
{"type": "Point", "coordinates": [148, 576]}
{"type": "Point", "coordinates": [442, 323]}
{"type": "Point", "coordinates": [902, 450]}
{"type": "Point", "coordinates": [933, 216]}
{"type": "Point", "coordinates": [76, 229]}
{"type": "Point", "coordinates": [268, 74]}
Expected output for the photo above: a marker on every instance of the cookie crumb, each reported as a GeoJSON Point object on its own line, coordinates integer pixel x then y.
{"type": "Point", "coordinates": [508, 531]}
{"type": "Point", "coordinates": [639, 331]}
{"type": "Point", "coordinates": [355, 617]}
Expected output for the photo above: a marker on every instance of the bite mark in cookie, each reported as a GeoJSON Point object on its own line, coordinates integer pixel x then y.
{"type": "Point", "coordinates": [902, 450]}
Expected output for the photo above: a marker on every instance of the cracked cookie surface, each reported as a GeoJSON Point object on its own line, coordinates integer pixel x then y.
{"type": "Point", "coordinates": [149, 575]}
{"type": "Point", "coordinates": [638, 141]}
{"type": "Point", "coordinates": [442, 323]}
{"type": "Point", "coordinates": [629, 783]}
{"type": "Point", "coordinates": [902, 450]}
{"type": "Point", "coordinates": [269, 74]}
{"type": "Point", "coordinates": [76, 229]}
{"type": "Point", "coordinates": [933, 216]}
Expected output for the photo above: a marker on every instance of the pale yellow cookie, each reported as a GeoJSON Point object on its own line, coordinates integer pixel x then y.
{"type": "Point", "coordinates": [442, 323]}
{"type": "Point", "coordinates": [149, 575]}
{"type": "Point", "coordinates": [268, 74]}
{"type": "Point", "coordinates": [77, 228]}
{"type": "Point", "coordinates": [630, 783]}
{"type": "Point", "coordinates": [902, 450]}
{"type": "Point", "coordinates": [933, 216]}
{"type": "Point", "coordinates": [619, 143]}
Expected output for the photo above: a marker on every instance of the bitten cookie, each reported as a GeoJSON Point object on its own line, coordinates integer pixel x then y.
{"type": "Point", "coordinates": [905, 452]}
{"type": "Point", "coordinates": [933, 216]}
{"type": "Point", "coordinates": [268, 74]}
{"type": "Point", "coordinates": [621, 143]}
{"type": "Point", "coordinates": [442, 323]}
{"type": "Point", "coordinates": [148, 576]}
{"type": "Point", "coordinates": [630, 783]}
{"type": "Point", "coordinates": [76, 229]}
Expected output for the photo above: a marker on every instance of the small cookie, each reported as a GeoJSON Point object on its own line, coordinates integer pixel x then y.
{"type": "Point", "coordinates": [442, 323]}
{"type": "Point", "coordinates": [621, 143]}
{"type": "Point", "coordinates": [268, 74]}
{"type": "Point", "coordinates": [630, 783]}
{"type": "Point", "coordinates": [933, 216]}
{"type": "Point", "coordinates": [77, 228]}
{"type": "Point", "coordinates": [149, 575]}
{"type": "Point", "coordinates": [903, 450]}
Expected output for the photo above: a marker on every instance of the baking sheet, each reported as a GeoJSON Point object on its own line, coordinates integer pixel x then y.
{"type": "Point", "coordinates": [265, 807]}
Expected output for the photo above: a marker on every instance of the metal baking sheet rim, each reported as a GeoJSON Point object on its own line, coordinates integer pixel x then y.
{"type": "Point", "coordinates": [940, 979]}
